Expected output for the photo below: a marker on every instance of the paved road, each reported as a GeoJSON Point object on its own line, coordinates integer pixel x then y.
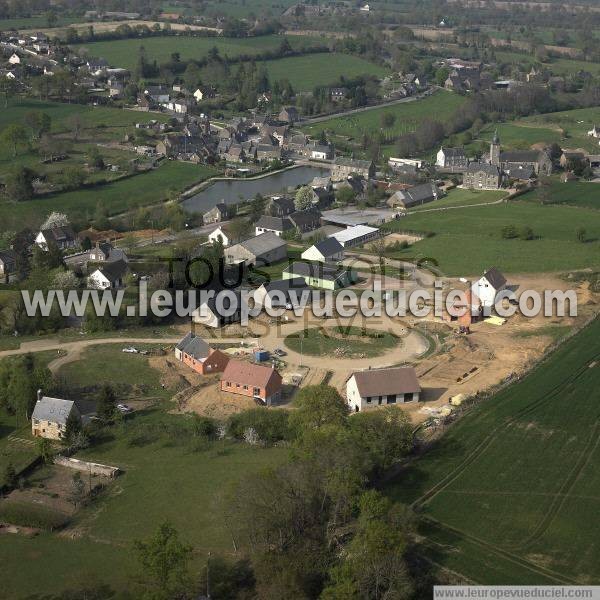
{"type": "Point", "coordinates": [413, 344]}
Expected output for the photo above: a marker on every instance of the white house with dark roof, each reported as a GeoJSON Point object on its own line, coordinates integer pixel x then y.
{"type": "Point", "coordinates": [108, 276]}
{"type": "Point", "coordinates": [327, 250]}
{"type": "Point", "coordinates": [451, 158]}
{"type": "Point", "coordinates": [380, 387]}
{"type": "Point", "coordinates": [486, 288]}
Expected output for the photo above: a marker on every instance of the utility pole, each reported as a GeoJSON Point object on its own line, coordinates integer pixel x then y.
{"type": "Point", "coordinates": [208, 577]}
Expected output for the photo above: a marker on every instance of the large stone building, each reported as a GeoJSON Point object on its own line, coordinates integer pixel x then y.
{"type": "Point", "coordinates": [481, 176]}
{"type": "Point", "coordinates": [515, 163]}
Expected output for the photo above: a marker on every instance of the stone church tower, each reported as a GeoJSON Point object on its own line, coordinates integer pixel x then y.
{"type": "Point", "coordinates": [495, 150]}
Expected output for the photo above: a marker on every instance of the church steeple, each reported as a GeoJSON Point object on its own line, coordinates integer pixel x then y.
{"type": "Point", "coordinates": [495, 150]}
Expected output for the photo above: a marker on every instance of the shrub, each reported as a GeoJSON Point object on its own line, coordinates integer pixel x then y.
{"type": "Point", "coordinates": [27, 515]}
{"type": "Point", "coordinates": [270, 425]}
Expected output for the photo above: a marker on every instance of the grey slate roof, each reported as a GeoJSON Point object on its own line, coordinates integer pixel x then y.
{"type": "Point", "coordinates": [522, 156]}
{"type": "Point", "coordinates": [194, 346]}
{"type": "Point", "coordinates": [495, 278]}
{"type": "Point", "coordinates": [275, 223]}
{"type": "Point", "coordinates": [114, 270]}
{"type": "Point", "coordinates": [263, 243]}
{"type": "Point", "coordinates": [419, 194]}
{"type": "Point", "coordinates": [454, 151]}
{"type": "Point", "coordinates": [353, 162]}
{"type": "Point", "coordinates": [477, 167]}
{"type": "Point", "coordinates": [285, 285]}
{"type": "Point", "coordinates": [329, 247]}
{"type": "Point", "coordinates": [305, 219]}
{"type": "Point", "coordinates": [55, 410]}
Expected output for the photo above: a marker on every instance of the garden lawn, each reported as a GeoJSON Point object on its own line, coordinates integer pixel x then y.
{"type": "Point", "coordinates": [518, 472]}
{"type": "Point", "coordinates": [146, 188]}
{"type": "Point", "coordinates": [439, 106]}
{"type": "Point", "coordinates": [307, 72]}
{"type": "Point", "coordinates": [125, 53]}
{"type": "Point", "coordinates": [468, 241]}
{"type": "Point", "coordinates": [324, 341]}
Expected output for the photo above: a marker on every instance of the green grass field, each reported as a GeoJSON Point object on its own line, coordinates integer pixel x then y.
{"type": "Point", "coordinates": [107, 364]}
{"type": "Point", "coordinates": [34, 22]}
{"type": "Point", "coordinates": [462, 197]}
{"type": "Point", "coordinates": [124, 53]}
{"type": "Point", "coordinates": [514, 483]}
{"type": "Point", "coordinates": [119, 196]}
{"type": "Point", "coordinates": [558, 66]}
{"type": "Point", "coordinates": [91, 116]}
{"type": "Point", "coordinates": [573, 193]}
{"type": "Point", "coordinates": [164, 477]}
{"type": "Point", "coordinates": [408, 115]}
{"type": "Point", "coordinates": [467, 241]}
{"type": "Point", "coordinates": [307, 72]}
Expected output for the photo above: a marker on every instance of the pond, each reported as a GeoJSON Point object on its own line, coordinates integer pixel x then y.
{"type": "Point", "coordinates": [233, 191]}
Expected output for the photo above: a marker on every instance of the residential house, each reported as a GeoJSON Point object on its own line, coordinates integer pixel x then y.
{"type": "Point", "coordinates": [218, 313]}
{"type": "Point", "coordinates": [320, 151]}
{"type": "Point", "coordinates": [414, 196]}
{"type": "Point", "coordinates": [264, 249]}
{"type": "Point", "coordinates": [195, 352]}
{"type": "Point", "coordinates": [356, 235]}
{"type": "Point", "coordinates": [280, 206]}
{"type": "Point", "coordinates": [328, 250]}
{"type": "Point", "coordinates": [451, 158]}
{"type": "Point", "coordinates": [277, 225]}
{"type": "Point", "coordinates": [486, 288]}
{"type": "Point", "coordinates": [50, 415]}
{"type": "Point", "coordinates": [216, 214]}
{"type": "Point", "coordinates": [8, 264]}
{"type": "Point", "coordinates": [289, 114]}
{"type": "Point", "coordinates": [321, 275]}
{"type": "Point", "coordinates": [106, 252]}
{"type": "Point", "coordinates": [343, 168]}
{"type": "Point", "coordinates": [481, 176]}
{"type": "Point", "coordinates": [280, 293]}
{"type": "Point", "coordinates": [160, 94]}
{"type": "Point", "coordinates": [337, 94]}
{"type": "Point", "coordinates": [255, 381]}
{"type": "Point", "coordinates": [381, 387]}
{"type": "Point", "coordinates": [305, 221]}
{"type": "Point", "coordinates": [570, 157]}
{"type": "Point", "coordinates": [63, 237]}
{"type": "Point", "coordinates": [14, 59]}
{"type": "Point", "coordinates": [108, 276]}
{"type": "Point", "coordinates": [221, 234]}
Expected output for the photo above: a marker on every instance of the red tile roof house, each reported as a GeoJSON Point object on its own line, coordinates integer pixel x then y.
{"type": "Point", "coordinates": [199, 356]}
{"type": "Point", "coordinates": [255, 381]}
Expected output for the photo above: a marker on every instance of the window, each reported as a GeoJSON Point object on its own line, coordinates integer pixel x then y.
{"type": "Point", "coordinates": [256, 391]}
{"type": "Point", "coordinates": [245, 387]}
{"type": "Point", "coordinates": [368, 400]}
{"type": "Point", "coordinates": [228, 383]}
{"type": "Point", "coordinates": [391, 399]}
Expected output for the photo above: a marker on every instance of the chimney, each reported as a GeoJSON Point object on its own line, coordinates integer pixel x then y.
{"type": "Point", "coordinates": [193, 328]}
{"type": "Point", "coordinates": [39, 395]}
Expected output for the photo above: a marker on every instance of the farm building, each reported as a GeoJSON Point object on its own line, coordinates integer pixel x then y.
{"type": "Point", "coordinates": [266, 248]}
{"type": "Point", "coordinates": [355, 236]}
{"type": "Point", "coordinates": [321, 275]}
{"type": "Point", "coordinates": [255, 381]}
{"type": "Point", "coordinates": [486, 288]}
{"type": "Point", "coordinates": [380, 387]}
{"type": "Point", "coordinates": [195, 352]}
{"type": "Point", "coordinates": [415, 196]}
{"type": "Point", "coordinates": [327, 250]}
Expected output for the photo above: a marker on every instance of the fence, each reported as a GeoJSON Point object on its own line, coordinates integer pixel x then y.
{"type": "Point", "coordinates": [87, 467]}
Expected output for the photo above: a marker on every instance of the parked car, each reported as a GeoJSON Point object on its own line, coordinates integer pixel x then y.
{"type": "Point", "coordinates": [131, 350]}
{"type": "Point", "coordinates": [123, 408]}
{"type": "Point", "coordinates": [279, 352]}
